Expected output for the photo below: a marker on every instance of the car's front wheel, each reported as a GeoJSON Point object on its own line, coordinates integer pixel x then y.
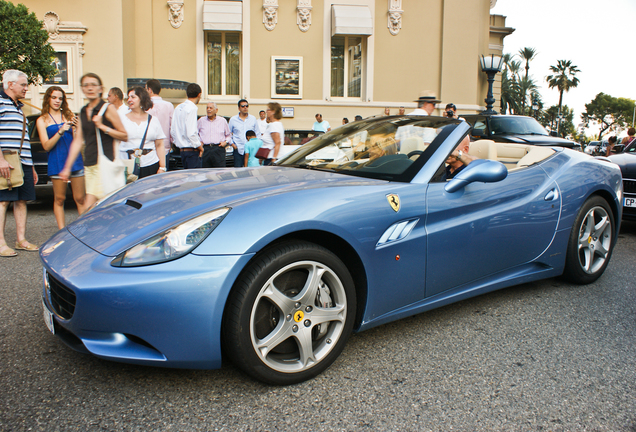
{"type": "Point", "coordinates": [591, 242]}
{"type": "Point", "coordinates": [290, 313]}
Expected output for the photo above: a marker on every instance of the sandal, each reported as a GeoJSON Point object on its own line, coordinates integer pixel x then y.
{"type": "Point", "coordinates": [6, 251]}
{"type": "Point", "coordinates": [25, 245]}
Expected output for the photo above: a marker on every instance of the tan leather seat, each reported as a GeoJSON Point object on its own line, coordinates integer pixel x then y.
{"type": "Point", "coordinates": [536, 154]}
{"type": "Point", "coordinates": [483, 149]}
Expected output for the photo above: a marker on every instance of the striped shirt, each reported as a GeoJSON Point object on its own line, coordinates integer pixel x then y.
{"type": "Point", "coordinates": [213, 131]}
{"type": "Point", "coordinates": [11, 124]}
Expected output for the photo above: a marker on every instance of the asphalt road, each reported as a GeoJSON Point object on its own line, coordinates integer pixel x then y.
{"type": "Point", "coordinates": [546, 356]}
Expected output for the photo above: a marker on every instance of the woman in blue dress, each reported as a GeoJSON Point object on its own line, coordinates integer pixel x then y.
{"type": "Point", "coordinates": [56, 127]}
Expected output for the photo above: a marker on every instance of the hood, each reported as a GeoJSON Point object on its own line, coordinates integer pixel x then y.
{"type": "Point", "coordinates": [153, 204]}
{"type": "Point", "coordinates": [627, 164]}
{"type": "Point", "coordinates": [544, 140]}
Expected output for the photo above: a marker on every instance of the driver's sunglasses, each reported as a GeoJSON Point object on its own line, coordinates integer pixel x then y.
{"type": "Point", "coordinates": [244, 106]}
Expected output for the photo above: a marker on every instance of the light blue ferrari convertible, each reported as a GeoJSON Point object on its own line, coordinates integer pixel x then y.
{"type": "Point", "coordinates": [274, 267]}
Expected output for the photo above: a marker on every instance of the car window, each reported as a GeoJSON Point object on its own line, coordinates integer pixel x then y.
{"type": "Point", "coordinates": [379, 149]}
{"type": "Point", "coordinates": [516, 126]}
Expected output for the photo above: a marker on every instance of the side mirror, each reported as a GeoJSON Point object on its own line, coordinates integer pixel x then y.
{"type": "Point", "coordinates": [554, 134]}
{"type": "Point", "coordinates": [480, 170]}
{"type": "Point", "coordinates": [479, 133]}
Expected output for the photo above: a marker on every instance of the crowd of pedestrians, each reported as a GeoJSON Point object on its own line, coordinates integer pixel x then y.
{"type": "Point", "coordinates": [139, 128]}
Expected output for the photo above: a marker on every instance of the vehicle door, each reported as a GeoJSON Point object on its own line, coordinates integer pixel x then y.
{"type": "Point", "coordinates": [488, 228]}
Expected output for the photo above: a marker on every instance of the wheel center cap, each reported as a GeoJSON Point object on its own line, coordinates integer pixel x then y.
{"type": "Point", "coordinates": [298, 316]}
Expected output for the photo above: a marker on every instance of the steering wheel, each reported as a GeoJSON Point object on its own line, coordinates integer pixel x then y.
{"type": "Point", "coordinates": [413, 153]}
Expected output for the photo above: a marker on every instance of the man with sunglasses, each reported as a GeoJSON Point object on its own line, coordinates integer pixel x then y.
{"type": "Point", "coordinates": [239, 125]}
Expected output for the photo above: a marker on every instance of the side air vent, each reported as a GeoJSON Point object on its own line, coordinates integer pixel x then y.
{"type": "Point", "coordinates": [397, 231]}
{"type": "Point", "coordinates": [134, 204]}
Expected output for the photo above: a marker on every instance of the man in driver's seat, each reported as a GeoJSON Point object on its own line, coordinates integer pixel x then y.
{"type": "Point", "coordinates": [458, 159]}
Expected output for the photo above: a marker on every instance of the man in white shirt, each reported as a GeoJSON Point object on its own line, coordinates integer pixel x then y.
{"type": "Point", "coordinates": [321, 125]}
{"type": "Point", "coordinates": [425, 104]}
{"type": "Point", "coordinates": [116, 98]}
{"type": "Point", "coordinates": [162, 110]}
{"type": "Point", "coordinates": [262, 123]}
{"type": "Point", "coordinates": [184, 130]}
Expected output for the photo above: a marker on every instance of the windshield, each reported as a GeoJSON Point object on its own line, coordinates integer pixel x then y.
{"type": "Point", "coordinates": [516, 126]}
{"type": "Point", "coordinates": [391, 148]}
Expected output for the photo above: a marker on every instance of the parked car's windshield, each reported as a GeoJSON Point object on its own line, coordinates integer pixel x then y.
{"type": "Point", "coordinates": [379, 148]}
{"type": "Point", "coordinates": [516, 126]}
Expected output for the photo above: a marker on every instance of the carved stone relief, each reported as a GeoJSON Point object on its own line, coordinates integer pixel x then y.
{"type": "Point", "coordinates": [395, 16]}
{"type": "Point", "coordinates": [175, 13]}
{"type": "Point", "coordinates": [51, 21]}
{"type": "Point", "coordinates": [303, 15]}
{"type": "Point", "coordinates": [270, 14]}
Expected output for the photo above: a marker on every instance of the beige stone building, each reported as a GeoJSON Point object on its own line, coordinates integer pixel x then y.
{"type": "Point", "coordinates": [336, 57]}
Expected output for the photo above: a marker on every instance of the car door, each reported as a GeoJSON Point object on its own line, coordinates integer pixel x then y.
{"type": "Point", "coordinates": [488, 228]}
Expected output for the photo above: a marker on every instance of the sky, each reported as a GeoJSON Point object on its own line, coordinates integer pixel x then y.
{"type": "Point", "coordinates": [596, 35]}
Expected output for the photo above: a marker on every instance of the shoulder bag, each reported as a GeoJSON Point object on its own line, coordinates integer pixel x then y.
{"type": "Point", "coordinates": [133, 166]}
{"type": "Point", "coordinates": [112, 172]}
{"type": "Point", "coordinates": [16, 179]}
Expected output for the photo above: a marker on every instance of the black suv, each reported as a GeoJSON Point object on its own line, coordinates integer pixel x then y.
{"type": "Point", "coordinates": [514, 129]}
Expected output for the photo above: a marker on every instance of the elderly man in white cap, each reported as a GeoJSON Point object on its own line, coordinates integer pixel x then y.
{"type": "Point", "coordinates": [425, 104]}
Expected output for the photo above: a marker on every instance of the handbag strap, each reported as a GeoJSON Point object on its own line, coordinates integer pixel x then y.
{"type": "Point", "coordinates": [97, 131]}
{"type": "Point", "coordinates": [24, 122]}
{"type": "Point", "coordinates": [143, 139]}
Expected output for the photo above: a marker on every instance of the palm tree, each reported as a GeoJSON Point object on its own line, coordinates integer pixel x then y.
{"type": "Point", "coordinates": [527, 54]}
{"type": "Point", "coordinates": [563, 79]}
{"type": "Point", "coordinates": [527, 87]}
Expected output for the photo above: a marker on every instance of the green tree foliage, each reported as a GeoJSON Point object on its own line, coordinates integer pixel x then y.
{"type": "Point", "coordinates": [550, 118]}
{"type": "Point", "coordinates": [608, 112]}
{"type": "Point", "coordinates": [517, 91]}
{"type": "Point", "coordinates": [24, 43]}
{"type": "Point", "coordinates": [563, 78]}
{"type": "Point", "coordinates": [527, 54]}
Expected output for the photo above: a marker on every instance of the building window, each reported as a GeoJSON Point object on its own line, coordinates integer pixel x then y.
{"type": "Point", "coordinates": [347, 54]}
{"type": "Point", "coordinates": [224, 63]}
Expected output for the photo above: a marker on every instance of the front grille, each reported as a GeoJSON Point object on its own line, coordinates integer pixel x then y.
{"type": "Point", "coordinates": [62, 298]}
{"type": "Point", "coordinates": [629, 186]}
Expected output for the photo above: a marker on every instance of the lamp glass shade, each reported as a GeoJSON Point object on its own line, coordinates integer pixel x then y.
{"type": "Point", "coordinates": [491, 62]}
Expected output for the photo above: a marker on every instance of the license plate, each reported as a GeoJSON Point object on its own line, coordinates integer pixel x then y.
{"type": "Point", "coordinates": [48, 318]}
{"type": "Point", "coordinates": [630, 202]}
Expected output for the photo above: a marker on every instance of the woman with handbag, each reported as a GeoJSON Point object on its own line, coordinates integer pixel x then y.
{"type": "Point", "coordinates": [56, 127]}
{"type": "Point", "coordinates": [145, 136]}
{"type": "Point", "coordinates": [99, 127]}
{"type": "Point", "coordinates": [274, 134]}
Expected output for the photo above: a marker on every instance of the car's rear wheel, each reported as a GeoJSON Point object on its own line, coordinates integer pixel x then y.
{"type": "Point", "coordinates": [290, 313]}
{"type": "Point", "coordinates": [591, 242]}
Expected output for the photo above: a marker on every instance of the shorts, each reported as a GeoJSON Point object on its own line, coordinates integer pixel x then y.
{"type": "Point", "coordinates": [78, 173]}
{"type": "Point", "coordinates": [93, 181]}
{"type": "Point", "coordinates": [26, 192]}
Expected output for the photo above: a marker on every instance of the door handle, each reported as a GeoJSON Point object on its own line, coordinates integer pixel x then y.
{"type": "Point", "coordinates": [553, 195]}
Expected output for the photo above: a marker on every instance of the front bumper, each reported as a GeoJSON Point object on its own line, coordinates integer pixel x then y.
{"type": "Point", "coordinates": [167, 314]}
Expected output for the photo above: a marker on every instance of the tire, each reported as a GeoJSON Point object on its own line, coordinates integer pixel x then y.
{"type": "Point", "coordinates": [289, 314]}
{"type": "Point", "coordinates": [591, 242]}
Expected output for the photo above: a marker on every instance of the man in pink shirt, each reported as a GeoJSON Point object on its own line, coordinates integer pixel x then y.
{"type": "Point", "coordinates": [214, 133]}
{"type": "Point", "coordinates": [162, 110]}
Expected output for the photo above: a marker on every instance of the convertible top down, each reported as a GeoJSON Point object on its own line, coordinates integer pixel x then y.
{"type": "Point", "coordinates": [274, 267]}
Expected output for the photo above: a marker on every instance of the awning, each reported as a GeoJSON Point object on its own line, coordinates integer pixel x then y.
{"type": "Point", "coordinates": [351, 20]}
{"type": "Point", "coordinates": [165, 83]}
{"type": "Point", "coordinates": [223, 15]}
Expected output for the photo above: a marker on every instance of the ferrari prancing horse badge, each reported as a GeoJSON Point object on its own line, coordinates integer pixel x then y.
{"type": "Point", "coordinates": [394, 202]}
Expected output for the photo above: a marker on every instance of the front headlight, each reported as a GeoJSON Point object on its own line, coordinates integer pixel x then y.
{"type": "Point", "coordinates": [173, 243]}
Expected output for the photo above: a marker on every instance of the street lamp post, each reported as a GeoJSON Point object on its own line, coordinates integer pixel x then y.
{"type": "Point", "coordinates": [535, 107]}
{"type": "Point", "coordinates": [490, 65]}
